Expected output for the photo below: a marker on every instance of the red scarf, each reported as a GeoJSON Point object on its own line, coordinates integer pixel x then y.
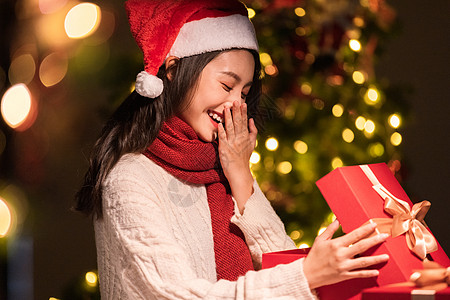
{"type": "Point", "coordinates": [179, 151]}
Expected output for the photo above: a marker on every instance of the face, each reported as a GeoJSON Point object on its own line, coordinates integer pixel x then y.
{"type": "Point", "coordinates": [227, 78]}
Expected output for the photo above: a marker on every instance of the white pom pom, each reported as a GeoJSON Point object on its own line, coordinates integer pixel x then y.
{"type": "Point", "coordinates": [148, 85]}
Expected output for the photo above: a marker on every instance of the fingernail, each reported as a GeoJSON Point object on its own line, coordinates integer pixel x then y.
{"type": "Point", "coordinates": [385, 257]}
{"type": "Point", "coordinates": [372, 223]}
{"type": "Point", "coordinates": [415, 276]}
{"type": "Point", "coordinates": [383, 236]}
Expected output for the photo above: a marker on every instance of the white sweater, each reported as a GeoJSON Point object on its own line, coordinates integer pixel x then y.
{"type": "Point", "coordinates": [155, 241]}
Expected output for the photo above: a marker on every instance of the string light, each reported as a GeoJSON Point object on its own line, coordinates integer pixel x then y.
{"type": "Point", "coordinates": [16, 105]}
{"type": "Point", "coordinates": [251, 12]}
{"type": "Point", "coordinates": [306, 88]}
{"type": "Point", "coordinates": [396, 139]}
{"type": "Point", "coordinates": [265, 59]}
{"type": "Point", "coordinates": [371, 97]}
{"type": "Point", "coordinates": [321, 230]}
{"type": "Point", "coordinates": [5, 218]}
{"type": "Point", "coordinates": [394, 121]}
{"type": "Point", "coordinates": [22, 69]}
{"type": "Point", "coordinates": [348, 135]}
{"type": "Point", "coordinates": [53, 69]}
{"type": "Point", "coordinates": [296, 234]}
{"type": "Point", "coordinates": [376, 150]}
{"type": "Point", "coordinates": [301, 147]}
{"type": "Point", "coordinates": [82, 20]}
{"type": "Point", "coordinates": [355, 45]}
{"type": "Point", "coordinates": [303, 246]}
{"type": "Point", "coordinates": [337, 110]}
{"type": "Point", "coordinates": [271, 144]}
{"type": "Point", "coordinates": [369, 126]}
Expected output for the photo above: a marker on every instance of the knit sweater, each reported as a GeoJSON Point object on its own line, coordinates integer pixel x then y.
{"type": "Point", "coordinates": [155, 241]}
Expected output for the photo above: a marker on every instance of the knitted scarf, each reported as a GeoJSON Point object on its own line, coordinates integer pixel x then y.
{"type": "Point", "coordinates": [179, 151]}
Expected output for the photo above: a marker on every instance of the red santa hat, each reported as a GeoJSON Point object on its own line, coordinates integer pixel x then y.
{"type": "Point", "coordinates": [164, 28]}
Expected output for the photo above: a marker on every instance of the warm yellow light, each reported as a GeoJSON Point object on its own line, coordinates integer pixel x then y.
{"type": "Point", "coordinates": [300, 12]}
{"type": "Point", "coordinates": [358, 77]}
{"type": "Point", "coordinates": [303, 246]}
{"type": "Point", "coordinates": [355, 45]}
{"type": "Point", "coordinates": [53, 298]}
{"type": "Point", "coordinates": [16, 105]}
{"type": "Point", "coordinates": [22, 69]}
{"type": "Point", "coordinates": [394, 121]}
{"type": "Point", "coordinates": [53, 69]}
{"type": "Point", "coordinates": [337, 110]}
{"type": "Point", "coordinates": [321, 230]}
{"type": "Point", "coordinates": [360, 122]}
{"type": "Point", "coordinates": [396, 139]}
{"type": "Point", "coordinates": [5, 218]}
{"type": "Point", "coordinates": [358, 21]}
{"type": "Point", "coordinates": [251, 13]}
{"type": "Point", "coordinates": [272, 144]}
{"type": "Point", "coordinates": [371, 96]}
{"type": "Point", "coordinates": [306, 88]}
{"type": "Point", "coordinates": [284, 167]}
{"type": "Point", "coordinates": [348, 135]}
{"type": "Point", "coordinates": [331, 217]}
{"type": "Point", "coordinates": [265, 59]}
{"type": "Point", "coordinates": [271, 70]}
{"type": "Point", "coordinates": [369, 126]}
{"type": "Point", "coordinates": [255, 157]}
{"type": "Point", "coordinates": [91, 279]}
{"type": "Point", "coordinates": [296, 234]}
{"type": "Point", "coordinates": [336, 163]}
{"type": "Point", "coordinates": [301, 147]}
{"type": "Point", "coordinates": [376, 150]}
{"type": "Point", "coordinates": [300, 31]}
{"type": "Point", "coordinates": [82, 20]}
{"type": "Point", "coordinates": [51, 6]}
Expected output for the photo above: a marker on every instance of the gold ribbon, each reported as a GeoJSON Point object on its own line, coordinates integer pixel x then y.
{"type": "Point", "coordinates": [432, 277]}
{"type": "Point", "coordinates": [405, 220]}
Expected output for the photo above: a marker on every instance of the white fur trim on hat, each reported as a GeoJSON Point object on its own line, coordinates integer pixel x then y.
{"type": "Point", "coordinates": [211, 34]}
{"type": "Point", "coordinates": [148, 85]}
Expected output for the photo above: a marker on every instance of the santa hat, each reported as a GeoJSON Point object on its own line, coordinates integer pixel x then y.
{"type": "Point", "coordinates": [164, 28]}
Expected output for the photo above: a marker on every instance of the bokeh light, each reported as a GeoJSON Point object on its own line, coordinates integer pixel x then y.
{"type": "Point", "coordinates": [371, 97]}
{"type": "Point", "coordinates": [359, 77]}
{"type": "Point", "coordinates": [91, 279]}
{"type": "Point", "coordinates": [336, 163]}
{"type": "Point", "coordinates": [360, 122]}
{"type": "Point", "coordinates": [16, 105]}
{"type": "Point", "coordinates": [53, 69]}
{"type": "Point", "coordinates": [301, 147]}
{"type": "Point", "coordinates": [5, 218]}
{"type": "Point", "coordinates": [355, 45]}
{"type": "Point", "coordinates": [306, 88]}
{"type": "Point", "coordinates": [51, 6]}
{"type": "Point", "coordinates": [22, 69]}
{"type": "Point", "coordinates": [284, 167]}
{"type": "Point", "coordinates": [376, 150]}
{"type": "Point", "coordinates": [265, 58]}
{"type": "Point", "coordinates": [321, 230]}
{"type": "Point", "coordinates": [337, 110]}
{"type": "Point", "coordinates": [369, 126]}
{"type": "Point", "coordinates": [82, 20]}
{"type": "Point", "coordinates": [396, 139]}
{"type": "Point", "coordinates": [394, 121]}
{"type": "Point", "coordinates": [300, 12]}
{"type": "Point", "coordinates": [251, 12]}
{"type": "Point", "coordinates": [255, 157]}
{"type": "Point", "coordinates": [271, 144]}
{"type": "Point", "coordinates": [348, 135]}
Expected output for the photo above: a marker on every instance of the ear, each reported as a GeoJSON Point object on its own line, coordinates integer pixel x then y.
{"type": "Point", "coordinates": [171, 65]}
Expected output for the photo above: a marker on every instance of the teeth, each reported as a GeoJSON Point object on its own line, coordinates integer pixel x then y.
{"type": "Point", "coordinates": [215, 117]}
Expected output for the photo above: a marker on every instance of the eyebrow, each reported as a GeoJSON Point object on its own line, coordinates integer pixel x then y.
{"type": "Point", "coordinates": [236, 77]}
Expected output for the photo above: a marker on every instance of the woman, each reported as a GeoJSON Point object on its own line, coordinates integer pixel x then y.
{"type": "Point", "coordinates": [177, 213]}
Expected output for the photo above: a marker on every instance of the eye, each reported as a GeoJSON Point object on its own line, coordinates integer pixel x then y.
{"type": "Point", "coordinates": [226, 87]}
{"type": "Point", "coordinates": [244, 96]}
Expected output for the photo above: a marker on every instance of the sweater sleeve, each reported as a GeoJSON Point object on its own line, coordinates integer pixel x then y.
{"type": "Point", "coordinates": [151, 264]}
{"type": "Point", "coordinates": [263, 229]}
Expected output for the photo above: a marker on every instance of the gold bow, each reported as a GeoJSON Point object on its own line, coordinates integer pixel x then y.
{"type": "Point", "coordinates": [432, 277]}
{"type": "Point", "coordinates": [405, 220]}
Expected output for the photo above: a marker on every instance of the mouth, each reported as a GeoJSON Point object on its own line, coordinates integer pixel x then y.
{"type": "Point", "coordinates": [216, 116]}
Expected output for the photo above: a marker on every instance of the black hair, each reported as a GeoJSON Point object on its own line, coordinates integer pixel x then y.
{"type": "Point", "coordinates": [137, 121]}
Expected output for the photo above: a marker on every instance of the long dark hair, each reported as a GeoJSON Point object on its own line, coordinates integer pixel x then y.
{"type": "Point", "coordinates": [137, 121]}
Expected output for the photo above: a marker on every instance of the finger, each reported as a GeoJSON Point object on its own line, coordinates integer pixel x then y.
{"type": "Point", "coordinates": [229, 123]}
{"type": "Point", "coordinates": [367, 243]}
{"type": "Point", "coordinates": [329, 232]}
{"type": "Point", "coordinates": [360, 274]}
{"type": "Point", "coordinates": [357, 234]}
{"type": "Point", "coordinates": [222, 134]}
{"type": "Point", "coordinates": [366, 261]}
{"type": "Point", "coordinates": [237, 117]}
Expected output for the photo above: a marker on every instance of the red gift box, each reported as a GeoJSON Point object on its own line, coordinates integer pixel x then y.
{"type": "Point", "coordinates": [398, 292]}
{"type": "Point", "coordinates": [350, 194]}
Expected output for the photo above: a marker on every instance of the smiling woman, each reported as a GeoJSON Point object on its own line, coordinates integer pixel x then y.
{"type": "Point", "coordinates": [177, 213]}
